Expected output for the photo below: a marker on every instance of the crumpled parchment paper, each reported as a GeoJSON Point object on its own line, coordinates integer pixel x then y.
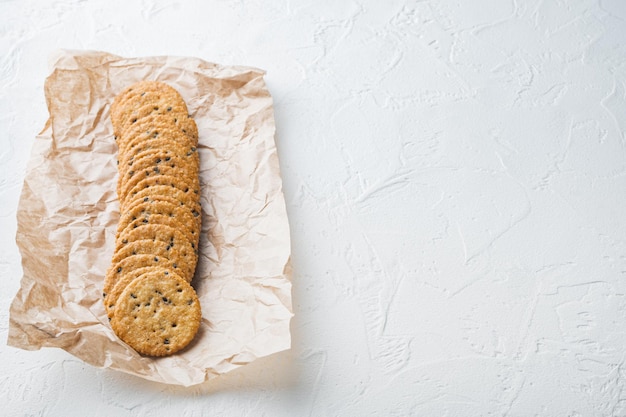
{"type": "Point", "coordinates": [68, 213]}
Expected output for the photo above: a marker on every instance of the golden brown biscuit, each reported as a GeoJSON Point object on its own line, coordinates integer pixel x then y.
{"type": "Point", "coordinates": [157, 314]}
{"type": "Point", "coordinates": [159, 205]}
{"type": "Point", "coordinates": [116, 271]}
{"type": "Point", "coordinates": [142, 99]}
{"type": "Point", "coordinates": [173, 173]}
{"type": "Point", "coordinates": [126, 279]}
{"type": "Point", "coordinates": [162, 241]}
{"type": "Point", "coordinates": [159, 219]}
{"type": "Point", "coordinates": [169, 148]}
{"type": "Point", "coordinates": [171, 133]}
{"type": "Point", "coordinates": [153, 124]}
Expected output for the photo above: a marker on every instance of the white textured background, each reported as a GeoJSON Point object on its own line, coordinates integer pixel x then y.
{"type": "Point", "coordinates": [455, 177]}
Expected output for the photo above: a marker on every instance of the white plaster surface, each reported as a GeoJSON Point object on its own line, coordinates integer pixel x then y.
{"type": "Point", "coordinates": [455, 178]}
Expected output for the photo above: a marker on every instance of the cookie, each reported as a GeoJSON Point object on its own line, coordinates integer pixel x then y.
{"type": "Point", "coordinates": [155, 158]}
{"type": "Point", "coordinates": [162, 241]}
{"type": "Point", "coordinates": [147, 130]}
{"type": "Point", "coordinates": [182, 176]}
{"type": "Point", "coordinates": [190, 192]}
{"type": "Point", "coordinates": [133, 89]}
{"type": "Point", "coordinates": [189, 185]}
{"type": "Point", "coordinates": [149, 146]}
{"type": "Point", "coordinates": [160, 97]}
{"type": "Point", "coordinates": [138, 106]}
{"type": "Point", "coordinates": [189, 198]}
{"type": "Point", "coordinates": [123, 280]}
{"type": "Point", "coordinates": [182, 256]}
{"type": "Point", "coordinates": [159, 204]}
{"type": "Point", "coordinates": [127, 276]}
{"type": "Point", "coordinates": [116, 270]}
{"type": "Point", "coordinates": [157, 314]}
{"type": "Point", "coordinates": [193, 238]}
{"type": "Point", "coordinates": [154, 123]}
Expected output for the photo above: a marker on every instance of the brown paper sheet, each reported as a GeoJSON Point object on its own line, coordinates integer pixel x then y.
{"type": "Point", "coordinates": [68, 213]}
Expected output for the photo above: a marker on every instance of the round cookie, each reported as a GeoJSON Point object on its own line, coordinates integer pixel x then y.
{"type": "Point", "coordinates": [190, 198]}
{"type": "Point", "coordinates": [147, 130]}
{"type": "Point", "coordinates": [154, 206]}
{"type": "Point", "coordinates": [162, 241]}
{"type": "Point", "coordinates": [187, 184]}
{"type": "Point", "coordinates": [126, 279]}
{"type": "Point", "coordinates": [116, 270]}
{"type": "Point", "coordinates": [159, 96]}
{"type": "Point", "coordinates": [132, 115]}
{"type": "Point", "coordinates": [164, 220]}
{"type": "Point", "coordinates": [134, 89]}
{"type": "Point", "coordinates": [158, 162]}
{"type": "Point", "coordinates": [162, 144]}
{"type": "Point", "coordinates": [178, 251]}
{"type": "Point", "coordinates": [154, 123]}
{"type": "Point", "coordinates": [153, 196]}
{"type": "Point", "coordinates": [157, 315]}
{"type": "Point", "coordinates": [146, 188]}
{"type": "Point", "coordinates": [175, 169]}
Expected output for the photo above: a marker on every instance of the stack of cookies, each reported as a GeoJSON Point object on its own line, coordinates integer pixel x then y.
{"type": "Point", "coordinates": [147, 289]}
